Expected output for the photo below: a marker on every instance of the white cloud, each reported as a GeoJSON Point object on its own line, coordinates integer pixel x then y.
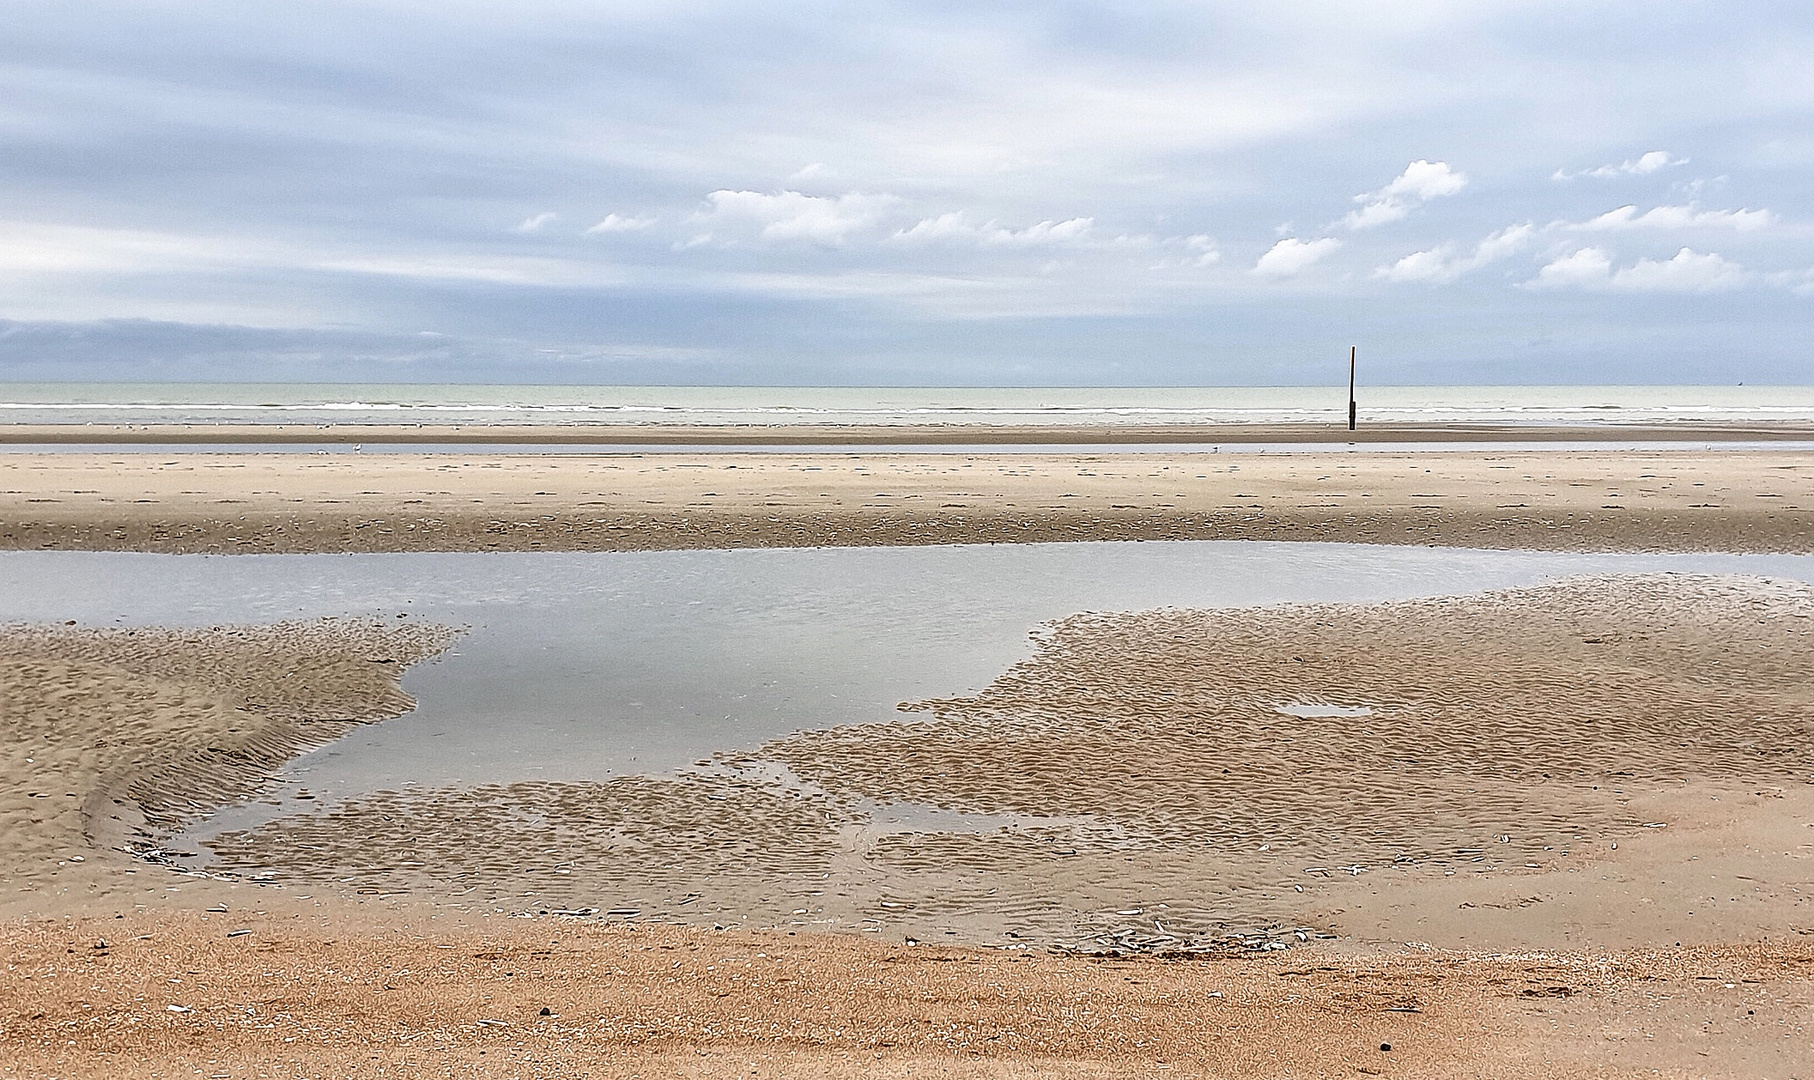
{"type": "Point", "coordinates": [1197, 252]}
{"type": "Point", "coordinates": [28, 248]}
{"type": "Point", "coordinates": [1203, 251]}
{"type": "Point", "coordinates": [1444, 264]}
{"type": "Point", "coordinates": [789, 216]}
{"type": "Point", "coordinates": [537, 222]}
{"type": "Point", "coordinates": [1687, 271]}
{"type": "Point", "coordinates": [1642, 165]}
{"type": "Point", "coordinates": [39, 250]}
{"type": "Point", "coordinates": [1799, 282]}
{"type": "Point", "coordinates": [1587, 268]}
{"type": "Point", "coordinates": [1292, 256]}
{"type": "Point", "coordinates": [1506, 242]}
{"type": "Point", "coordinates": [1419, 183]}
{"type": "Point", "coordinates": [956, 227]}
{"type": "Point", "coordinates": [1438, 265]}
{"type": "Point", "coordinates": [615, 223]}
{"type": "Point", "coordinates": [1677, 217]}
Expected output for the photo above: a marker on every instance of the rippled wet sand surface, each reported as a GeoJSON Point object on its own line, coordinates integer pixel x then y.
{"type": "Point", "coordinates": [1156, 797]}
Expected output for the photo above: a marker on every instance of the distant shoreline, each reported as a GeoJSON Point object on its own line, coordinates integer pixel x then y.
{"type": "Point", "coordinates": [832, 434]}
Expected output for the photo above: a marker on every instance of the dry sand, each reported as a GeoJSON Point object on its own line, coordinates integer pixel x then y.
{"type": "Point", "coordinates": [1678, 500]}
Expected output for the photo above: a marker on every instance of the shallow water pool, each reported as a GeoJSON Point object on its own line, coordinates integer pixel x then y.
{"type": "Point", "coordinates": [587, 665]}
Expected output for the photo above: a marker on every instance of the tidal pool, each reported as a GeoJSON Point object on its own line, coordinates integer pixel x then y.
{"type": "Point", "coordinates": [580, 666]}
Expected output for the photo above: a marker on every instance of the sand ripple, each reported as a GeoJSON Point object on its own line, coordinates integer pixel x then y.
{"type": "Point", "coordinates": [1151, 778]}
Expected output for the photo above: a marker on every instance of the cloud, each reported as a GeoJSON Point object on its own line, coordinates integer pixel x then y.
{"type": "Point", "coordinates": [1203, 251]}
{"type": "Point", "coordinates": [1586, 268]}
{"type": "Point", "coordinates": [1292, 256]}
{"type": "Point", "coordinates": [1688, 271]}
{"type": "Point", "coordinates": [615, 223]}
{"type": "Point", "coordinates": [788, 216]}
{"type": "Point", "coordinates": [1446, 263]}
{"type": "Point", "coordinates": [956, 227]}
{"type": "Point", "coordinates": [1642, 165]}
{"type": "Point", "coordinates": [1677, 217]}
{"type": "Point", "coordinates": [1419, 183]}
{"type": "Point", "coordinates": [1799, 282]}
{"type": "Point", "coordinates": [536, 223]}
{"type": "Point", "coordinates": [1197, 252]}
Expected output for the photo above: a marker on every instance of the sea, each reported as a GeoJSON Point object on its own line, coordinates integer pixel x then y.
{"type": "Point", "coordinates": [374, 403]}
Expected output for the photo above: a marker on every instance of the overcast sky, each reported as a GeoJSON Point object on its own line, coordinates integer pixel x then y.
{"type": "Point", "coordinates": [933, 193]}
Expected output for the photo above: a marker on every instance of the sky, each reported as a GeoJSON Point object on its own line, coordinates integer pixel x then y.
{"type": "Point", "coordinates": [882, 193]}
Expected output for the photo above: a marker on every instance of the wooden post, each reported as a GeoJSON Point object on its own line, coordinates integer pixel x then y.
{"type": "Point", "coordinates": [1351, 409]}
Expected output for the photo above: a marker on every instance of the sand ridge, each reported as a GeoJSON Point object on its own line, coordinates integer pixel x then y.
{"type": "Point", "coordinates": [1615, 499]}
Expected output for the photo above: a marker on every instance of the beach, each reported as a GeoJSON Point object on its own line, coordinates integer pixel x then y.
{"type": "Point", "coordinates": [1563, 829]}
{"type": "Point", "coordinates": [920, 542]}
{"type": "Point", "coordinates": [1565, 499]}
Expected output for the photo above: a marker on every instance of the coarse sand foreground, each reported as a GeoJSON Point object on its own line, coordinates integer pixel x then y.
{"type": "Point", "coordinates": [1449, 808]}
{"type": "Point", "coordinates": [280, 989]}
{"type": "Point", "coordinates": [1676, 500]}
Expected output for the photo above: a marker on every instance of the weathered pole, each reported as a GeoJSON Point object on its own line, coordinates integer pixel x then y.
{"type": "Point", "coordinates": [1351, 409]}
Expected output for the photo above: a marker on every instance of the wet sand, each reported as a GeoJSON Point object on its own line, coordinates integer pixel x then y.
{"type": "Point", "coordinates": [110, 738]}
{"type": "Point", "coordinates": [1134, 788]}
{"type": "Point", "coordinates": [1677, 500]}
{"type": "Point", "coordinates": [385, 944]}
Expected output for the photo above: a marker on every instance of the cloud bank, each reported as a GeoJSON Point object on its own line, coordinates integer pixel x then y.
{"type": "Point", "coordinates": [1687, 271]}
{"type": "Point", "coordinates": [909, 192]}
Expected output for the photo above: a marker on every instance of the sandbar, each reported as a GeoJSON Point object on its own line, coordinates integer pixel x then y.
{"type": "Point", "coordinates": [1753, 500]}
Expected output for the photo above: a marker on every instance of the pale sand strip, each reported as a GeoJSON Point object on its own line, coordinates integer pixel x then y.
{"type": "Point", "coordinates": [111, 737]}
{"type": "Point", "coordinates": [1006, 435]}
{"type": "Point", "coordinates": [1687, 500]}
{"type": "Point", "coordinates": [1513, 739]}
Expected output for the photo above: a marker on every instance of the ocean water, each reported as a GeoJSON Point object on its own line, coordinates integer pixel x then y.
{"type": "Point", "coordinates": [253, 403]}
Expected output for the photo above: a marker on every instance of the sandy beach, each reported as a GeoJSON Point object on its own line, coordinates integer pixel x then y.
{"type": "Point", "coordinates": [1746, 500]}
{"type": "Point", "coordinates": [1565, 830]}
{"type": "Point", "coordinates": [259, 990]}
{"type": "Point", "coordinates": [1085, 541]}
